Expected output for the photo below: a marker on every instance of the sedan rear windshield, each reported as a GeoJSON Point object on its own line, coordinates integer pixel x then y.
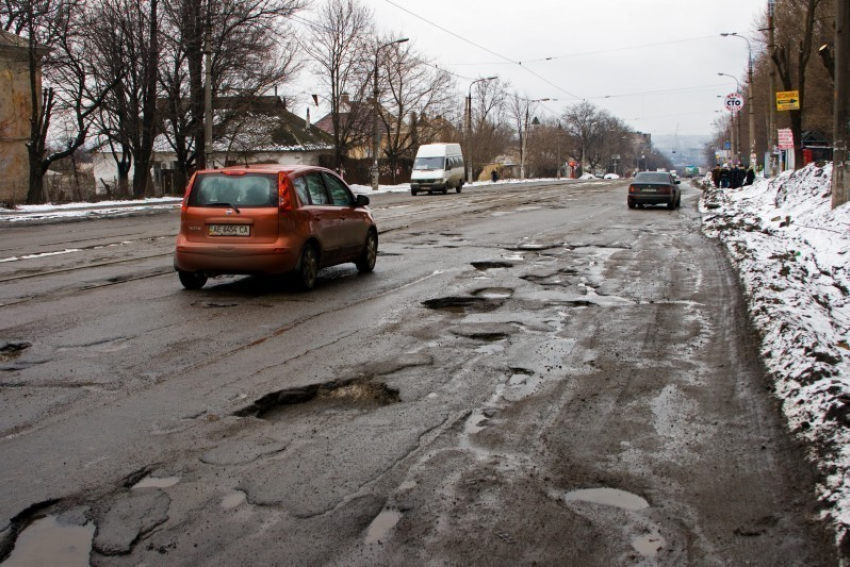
{"type": "Point", "coordinates": [651, 177]}
{"type": "Point", "coordinates": [429, 163]}
{"type": "Point", "coordinates": [249, 190]}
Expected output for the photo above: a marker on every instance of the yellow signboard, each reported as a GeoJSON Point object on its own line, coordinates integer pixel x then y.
{"type": "Point", "coordinates": [788, 100]}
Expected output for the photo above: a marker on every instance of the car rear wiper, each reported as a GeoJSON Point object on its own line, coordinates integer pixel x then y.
{"type": "Point", "coordinates": [223, 204]}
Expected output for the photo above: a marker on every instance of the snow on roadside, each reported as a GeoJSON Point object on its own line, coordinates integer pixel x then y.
{"type": "Point", "coordinates": [792, 250]}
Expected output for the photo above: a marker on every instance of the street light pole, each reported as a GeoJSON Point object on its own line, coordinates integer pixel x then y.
{"type": "Point", "coordinates": [470, 168]}
{"type": "Point", "coordinates": [375, 139]}
{"type": "Point", "coordinates": [751, 115]}
{"type": "Point", "coordinates": [736, 130]}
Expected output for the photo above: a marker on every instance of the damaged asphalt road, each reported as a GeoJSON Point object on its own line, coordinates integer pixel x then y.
{"type": "Point", "coordinates": [532, 375]}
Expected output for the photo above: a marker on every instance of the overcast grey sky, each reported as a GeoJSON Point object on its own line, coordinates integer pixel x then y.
{"type": "Point", "coordinates": [652, 63]}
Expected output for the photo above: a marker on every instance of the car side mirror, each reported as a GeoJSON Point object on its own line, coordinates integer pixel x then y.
{"type": "Point", "coordinates": [361, 201]}
{"type": "Point", "coordinates": [678, 182]}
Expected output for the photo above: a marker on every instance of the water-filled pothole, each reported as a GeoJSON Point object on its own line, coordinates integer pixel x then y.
{"type": "Point", "coordinates": [464, 304]}
{"type": "Point", "coordinates": [648, 545]}
{"type": "Point", "coordinates": [154, 482]}
{"type": "Point", "coordinates": [494, 292]}
{"type": "Point", "coordinates": [355, 393]}
{"type": "Point", "coordinates": [52, 541]}
{"type": "Point", "coordinates": [381, 526]}
{"type": "Point", "coordinates": [608, 497]}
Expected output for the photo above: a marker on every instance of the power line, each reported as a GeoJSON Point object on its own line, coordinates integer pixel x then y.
{"type": "Point", "coordinates": [499, 55]}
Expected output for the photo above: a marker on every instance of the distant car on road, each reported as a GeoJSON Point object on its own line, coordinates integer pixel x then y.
{"type": "Point", "coordinates": [654, 188]}
{"type": "Point", "coordinates": [271, 219]}
{"type": "Point", "coordinates": [611, 176]}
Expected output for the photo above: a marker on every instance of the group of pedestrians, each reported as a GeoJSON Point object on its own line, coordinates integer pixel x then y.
{"type": "Point", "coordinates": [732, 176]}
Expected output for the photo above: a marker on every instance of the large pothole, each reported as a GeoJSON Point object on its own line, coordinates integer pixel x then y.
{"type": "Point", "coordinates": [361, 393]}
{"type": "Point", "coordinates": [464, 304]}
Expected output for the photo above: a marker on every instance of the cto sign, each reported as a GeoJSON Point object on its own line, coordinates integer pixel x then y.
{"type": "Point", "coordinates": [734, 102]}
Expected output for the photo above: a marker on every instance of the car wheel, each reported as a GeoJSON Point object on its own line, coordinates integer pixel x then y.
{"type": "Point", "coordinates": [459, 185]}
{"type": "Point", "coordinates": [632, 204]}
{"type": "Point", "coordinates": [671, 205]}
{"type": "Point", "coordinates": [192, 280]}
{"type": "Point", "coordinates": [366, 262]}
{"type": "Point", "coordinates": [308, 268]}
{"type": "Point", "coordinates": [413, 192]}
{"type": "Point", "coordinates": [445, 190]}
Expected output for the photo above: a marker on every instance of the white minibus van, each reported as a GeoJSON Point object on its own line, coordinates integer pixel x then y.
{"type": "Point", "coordinates": [437, 167]}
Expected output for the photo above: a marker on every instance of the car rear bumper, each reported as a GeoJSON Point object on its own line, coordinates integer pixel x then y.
{"type": "Point", "coordinates": [235, 259]}
{"type": "Point", "coordinates": [651, 199]}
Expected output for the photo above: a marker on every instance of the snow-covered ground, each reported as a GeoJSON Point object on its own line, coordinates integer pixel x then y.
{"type": "Point", "coordinates": [119, 208]}
{"type": "Point", "coordinates": [792, 253]}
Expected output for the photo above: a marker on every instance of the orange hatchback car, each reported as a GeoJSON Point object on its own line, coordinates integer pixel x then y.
{"type": "Point", "coordinates": [272, 219]}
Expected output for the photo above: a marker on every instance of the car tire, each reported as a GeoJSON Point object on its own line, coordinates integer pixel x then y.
{"type": "Point", "coordinates": [366, 262]}
{"type": "Point", "coordinates": [192, 280]}
{"type": "Point", "coordinates": [445, 190]}
{"type": "Point", "coordinates": [671, 205]}
{"type": "Point", "coordinates": [307, 269]}
{"type": "Point", "coordinates": [459, 185]}
{"type": "Point", "coordinates": [413, 192]}
{"type": "Point", "coordinates": [632, 204]}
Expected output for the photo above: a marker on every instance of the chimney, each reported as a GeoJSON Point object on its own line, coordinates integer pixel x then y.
{"type": "Point", "coordinates": [343, 101]}
{"type": "Point", "coordinates": [307, 125]}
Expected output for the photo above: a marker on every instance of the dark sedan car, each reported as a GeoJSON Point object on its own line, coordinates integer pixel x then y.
{"type": "Point", "coordinates": [654, 188]}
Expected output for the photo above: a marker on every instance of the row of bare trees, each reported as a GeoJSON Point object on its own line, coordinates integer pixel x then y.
{"type": "Point", "coordinates": [800, 28]}
{"type": "Point", "coordinates": [131, 73]}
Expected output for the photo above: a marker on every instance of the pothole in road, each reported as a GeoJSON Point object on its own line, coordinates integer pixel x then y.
{"type": "Point", "coordinates": [215, 304]}
{"type": "Point", "coordinates": [51, 540]}
{"type": "Point", "coordinates": [648, 545]}
{"type": "Point", "coordinates": [12, 349]}
{"type": "Point", "coordinates": [608, 497]}
{"type": "Point", "coordinates": [484, 266]}
{"type": "Point", "coordinates": [533, 247]}
{"type": "Point", "coordinates": [154, 482]}
{"type": "Point", "coordinates": [357, 393]}
{"type": "Point", "coordinates": [464, 304]}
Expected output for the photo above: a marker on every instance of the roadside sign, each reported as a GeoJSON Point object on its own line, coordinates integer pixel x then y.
{"type": "Point", "coordinates": [786, 139]}
{"type": "Point", "coordinates": [788, 100]}
{"type": "Point", "coordinates": [734, 102]}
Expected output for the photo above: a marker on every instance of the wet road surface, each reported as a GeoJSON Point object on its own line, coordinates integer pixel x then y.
{"type": "Point", "coordinates": [532, 375]}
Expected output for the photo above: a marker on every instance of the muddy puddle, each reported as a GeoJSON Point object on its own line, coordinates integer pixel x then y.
{"type": "Point", "coordinates": [381, 526]}
{"type": "Point", "coordinates": [51, 541]}
{"type": "Point", "coordinates": [608, 497]}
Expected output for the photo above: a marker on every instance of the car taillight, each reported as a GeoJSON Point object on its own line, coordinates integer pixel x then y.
{"type": "Point", "coordinates": [665, 190]}
{"type": "Point", "coordinates": [185, 205]}
{"type": "Point", "coordinates": [285, 194]}
{"type": "Point", "coordinates": [632, 189]}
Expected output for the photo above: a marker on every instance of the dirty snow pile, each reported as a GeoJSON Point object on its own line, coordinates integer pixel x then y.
{"type": "Point", "coordinates": [792, 252]}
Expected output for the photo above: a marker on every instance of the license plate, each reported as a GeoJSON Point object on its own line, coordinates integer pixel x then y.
{"type": "Point", "coordinates": [649, 190]}
{"type": "Point", "coordinates": [230, 230]}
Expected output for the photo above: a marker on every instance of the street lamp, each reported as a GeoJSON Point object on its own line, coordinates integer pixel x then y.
{"type": "Point", "coordinates": [375, 143]}
{"type": "Point", "coordinates": [751, 115]}
{"type": "Point", "coordinates": [736, 128]}
{"type": "Point", "coordinates": [470, 167]}
{"type": "Point", "coordinates": [524, 137]}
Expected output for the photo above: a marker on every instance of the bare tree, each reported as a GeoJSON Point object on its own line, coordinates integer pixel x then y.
{"type": "Point", "coordinates": [338, 42]}
{"type": "Point", "coordinates": [252, 50]}
{"type": "Point", "coordinates": [792, 62]}
{"type": "Point", "coordinates": [412, 89]}
{"type": "Point", "coordinates": [491, 130]}
{"type": "Point", "coordinates": [127, 42]}
{"type": "Point", "coordinates": [585, 124]}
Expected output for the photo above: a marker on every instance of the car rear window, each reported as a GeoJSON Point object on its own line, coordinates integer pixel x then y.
{"type": "Point", "coordinates": [249, 190]}
{"type": "Point", "coordinates": [650, 177]}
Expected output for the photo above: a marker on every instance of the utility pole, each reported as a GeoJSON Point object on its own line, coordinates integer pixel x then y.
{"type": "Point", "coordinates": [771, 100]}
{"type": "Point", "coordinates": [841, 119]}
{"type": "Point", "coordinates": [208, 113]}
